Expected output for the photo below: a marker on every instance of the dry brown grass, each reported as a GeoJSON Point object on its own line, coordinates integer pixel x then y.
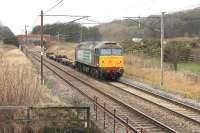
{"type": "Point", "coordinates": [176, 82]}
{"type": "Point", "coordinates": [19, 83]}
{"type": "Point", "coordinates": [61, 48]}
{"type": "Point", "coordinates": [144, 70]}
{"type": "Point", "coordinates": [19, 86]}
{"type": "Point", "coordinates": [16, 58]}
{"type": "Point", "coordinates": [183, 39]}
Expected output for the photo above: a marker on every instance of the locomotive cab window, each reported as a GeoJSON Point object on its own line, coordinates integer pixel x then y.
{"type": "Point", "coordinates": [116, 51]}
{"type": "Point", "coordinates": [106, 51]}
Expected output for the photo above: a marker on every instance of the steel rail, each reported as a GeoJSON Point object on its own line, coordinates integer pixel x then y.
{"type": "Point", "coordinates": [160, 96]}
{"type": "Point", "coordinates": [157, 123]}
{"type": "Point", "coordinates": [171, 101]}
{"type": "Point", "coordinates": [90, 98]}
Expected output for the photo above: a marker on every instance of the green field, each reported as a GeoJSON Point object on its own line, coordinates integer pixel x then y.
{"type": "Point", "coordinates": [193, 67]}
{"type": "Point", "coordinates": [190, 66]}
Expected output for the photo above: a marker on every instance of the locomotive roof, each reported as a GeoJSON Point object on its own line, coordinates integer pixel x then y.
{"type": "Point", "coordinates": [102, 44]}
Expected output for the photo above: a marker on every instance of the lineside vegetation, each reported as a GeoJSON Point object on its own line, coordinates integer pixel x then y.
{"type": "Point", "coordinates": [143, 64]}
{"type": "Point", "coordinates": [19, 82]}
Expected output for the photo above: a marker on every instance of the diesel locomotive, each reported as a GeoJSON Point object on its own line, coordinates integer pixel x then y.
{"type": "Point", "coordinates": [102, 60]}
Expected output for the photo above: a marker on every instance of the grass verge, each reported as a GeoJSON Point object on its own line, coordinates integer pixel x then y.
{"type": "Point", "coordinates": [19, 83]}
{"type": "Point", "coordinates": [181, 83]}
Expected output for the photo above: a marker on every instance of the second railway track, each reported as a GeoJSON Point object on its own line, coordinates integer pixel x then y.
{"type": "Point", "coordinates": [140, 120]}
{"type": "Point", "coordinates": [183, 110]}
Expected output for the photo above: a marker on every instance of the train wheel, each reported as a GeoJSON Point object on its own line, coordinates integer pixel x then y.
{"type": "Point", "coordinates": [92, 72]}
{"type": "Point", "coordinates": [79, 68]}
{"type": "Point", "coordinates": [114, 78]}
{"type": "Point", "coordinates": [96, 74]}
{"type": "Point", "coordinates": [101, 76]}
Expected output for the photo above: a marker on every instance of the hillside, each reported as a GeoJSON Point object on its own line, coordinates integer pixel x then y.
{"type": "Point", "coordinates": [6, 35]}
{"type": "Point", "coordinates": [5, 32]}
{"type": "Point", "coordinates": [179, 24]}
{"type": "Point", "coordinates": [70, 32]}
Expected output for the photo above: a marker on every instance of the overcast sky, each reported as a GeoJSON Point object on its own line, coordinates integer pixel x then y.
{"type": "Point", "coordinates": [17, 13]}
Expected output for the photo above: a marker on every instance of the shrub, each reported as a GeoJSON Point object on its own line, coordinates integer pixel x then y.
{"type": "Point", "coordinates": [150, 47]}
{"type": "Point", "coordinates": [176, 51]}
{"type": "Point", "coordinates": [10, 40]}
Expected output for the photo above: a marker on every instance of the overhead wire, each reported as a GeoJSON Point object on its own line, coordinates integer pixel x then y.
{"type": "Point", "coordinates": [50, 9]}
{"type": "Point", "coordinates": [53, 7]}
{"type": "Point", "coordinates": [34, 22]}
{"type": "Point", "coordinates": [136, 5]}
{"type": "Point", "coordinates": [135, 21]}
{"type": "Point", "coordinates": [94, 21]}
{"type": "Point", "coordinates": [76, 19]}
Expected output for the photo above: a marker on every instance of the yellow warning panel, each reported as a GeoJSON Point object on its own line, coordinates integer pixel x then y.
{"type": "Point", "coordinates": [111, 61]}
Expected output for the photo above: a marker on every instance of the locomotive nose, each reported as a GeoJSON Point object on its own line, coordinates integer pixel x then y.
{"type": "Point", "coordinates": [111, 61]}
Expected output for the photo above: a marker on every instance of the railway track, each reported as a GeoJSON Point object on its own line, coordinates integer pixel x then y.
{"type": "Point", "coordinates": [186, 111]}
{"type": "Point", "coordinates": [141, 123]}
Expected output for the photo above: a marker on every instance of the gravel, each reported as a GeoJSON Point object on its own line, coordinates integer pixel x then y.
{"type": "Point", "coordinates": [67, 94]}
{"type": "Point", "coordinates": [167, 117]}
